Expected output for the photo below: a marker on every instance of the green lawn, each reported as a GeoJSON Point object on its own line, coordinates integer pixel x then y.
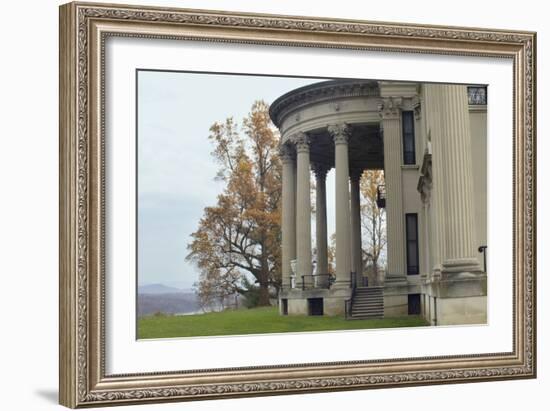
{"type": "Point", "coordinates": [256, 321]}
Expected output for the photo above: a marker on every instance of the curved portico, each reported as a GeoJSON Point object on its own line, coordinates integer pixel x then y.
{"type": "Point", "coordinates": [333, 124]}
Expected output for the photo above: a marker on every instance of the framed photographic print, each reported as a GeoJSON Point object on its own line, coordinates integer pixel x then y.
{"type": "Point", "coordinates": [260, 204]}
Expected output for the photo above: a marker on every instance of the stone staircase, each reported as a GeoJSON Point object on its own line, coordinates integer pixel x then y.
{"type": "Point", "coordinates": [367, 302]}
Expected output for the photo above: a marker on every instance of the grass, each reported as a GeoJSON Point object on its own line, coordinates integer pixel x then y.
{"type": "Point", "coordinates": [256, 321]}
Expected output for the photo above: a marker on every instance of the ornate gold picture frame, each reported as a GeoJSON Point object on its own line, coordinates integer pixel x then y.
{"type": "Point", "coordinates": [84, 30]}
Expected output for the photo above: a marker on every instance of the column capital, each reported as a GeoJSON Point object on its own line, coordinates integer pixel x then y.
{"type": "Point", "coordinates": [320, 170]}
{"type": "Point", "coordinates": [340, 132]}
{"type": "Point", "coordinates": [301, 141]}
{"type": "Point", "coordinates": [286, 153]}
{"type": "Point", "coordinates": [355, 174]}
{"type": "Point", "coordinates": [417, 107]}
{"type": "Point", "coordinates": [389, 107]}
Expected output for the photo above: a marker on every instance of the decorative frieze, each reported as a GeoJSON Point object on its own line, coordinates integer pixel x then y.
{"type": "Point", "coordinates": [319, 93]}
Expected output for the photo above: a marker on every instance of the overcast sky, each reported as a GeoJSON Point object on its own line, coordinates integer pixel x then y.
{"type": "Point", "coordinates": [175, 168]}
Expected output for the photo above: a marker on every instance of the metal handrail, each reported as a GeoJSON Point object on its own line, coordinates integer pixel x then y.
{"type": "Point", "coordinates": [347, 309]}
{"type": "Point", "coordinates": [353, 280]}
{"type": "Point", "coordinates": [483, 249]}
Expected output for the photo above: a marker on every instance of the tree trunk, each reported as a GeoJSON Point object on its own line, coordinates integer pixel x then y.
{"type": "Point", "coordinates": [264, 282]}
{"type": "Point", "coordinates": [264, 295]}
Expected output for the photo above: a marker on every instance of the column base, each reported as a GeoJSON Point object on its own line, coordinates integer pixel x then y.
{"type": "Point", "coordinates": [456, 298]}
{"type": "Point", "coordinates": [462, 265]}
{"type": "Point", "coordinates": [463, 310]}
{"type": "Point", "coordinates": [395, 279]}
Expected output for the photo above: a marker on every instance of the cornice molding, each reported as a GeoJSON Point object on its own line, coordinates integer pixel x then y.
{"type": "Point", "coordinates": [326, 91]}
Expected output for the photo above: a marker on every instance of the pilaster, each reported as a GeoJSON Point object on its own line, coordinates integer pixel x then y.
{"type": "Point", "coordinates": [393, 155]}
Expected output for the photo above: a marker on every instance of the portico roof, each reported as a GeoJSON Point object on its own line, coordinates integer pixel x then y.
{"type": "Point", "coordinates": [323, 91]}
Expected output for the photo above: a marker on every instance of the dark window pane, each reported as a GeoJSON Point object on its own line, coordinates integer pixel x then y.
{"type": "Point", "coordinates": [407, 119]}
{"type": "Point", "coordinates": [411, 228]}
{"type": "Point", "coordinates": [411, 252]}
{"type": "Point", "coordinates": [414, 304]}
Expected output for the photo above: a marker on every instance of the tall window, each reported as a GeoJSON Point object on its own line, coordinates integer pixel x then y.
{"type": "Point", "coordinates": [407, 120]}
{"type": "Point", "coordinates": [411, 225]}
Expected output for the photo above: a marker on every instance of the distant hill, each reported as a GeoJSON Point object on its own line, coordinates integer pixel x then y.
{"type": "Point", "coordinates": [155, 298]}
{"type": "Point", "coordinates": [157, 289]}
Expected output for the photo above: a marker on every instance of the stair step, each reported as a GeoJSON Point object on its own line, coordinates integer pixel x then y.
{"type": "Point", "coordinates": [379, 312]}
{"type": "Point", "coordinates": [367, 315]}
{"type": "Point", "coordinates": [368, 297]}
{"type": "Point", "coordinates": [367, 309]}
{"type": "Point", "coordinates": [367, 303]}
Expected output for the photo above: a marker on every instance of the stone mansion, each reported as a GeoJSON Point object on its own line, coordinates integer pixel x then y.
{"type": "Point", "coordinates": [431, 141]}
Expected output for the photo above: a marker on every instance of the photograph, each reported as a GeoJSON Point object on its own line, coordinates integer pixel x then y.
{"type": "Point", "coordinates": [256, 204]}
{"type": "Point", "coordinates": [272, 204]}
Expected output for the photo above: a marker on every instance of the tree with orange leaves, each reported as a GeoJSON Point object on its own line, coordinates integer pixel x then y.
{"type": "Point", "coordinates": [373, 220]}
{"type": "Point", "coordinates": [239, 237]}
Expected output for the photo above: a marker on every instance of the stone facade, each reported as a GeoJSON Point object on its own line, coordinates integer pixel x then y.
{"type": "Point", "coordinates": [432, 145]}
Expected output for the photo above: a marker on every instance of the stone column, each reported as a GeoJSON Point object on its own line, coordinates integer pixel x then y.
{"type": "Point", "coordinates": [321, 223]}
{"type": "Point", "coordinates": [288, 214]}
{"type": "Point", "coordinates": [303, 211]}
{"type": "Point", "coordinates": [393, 159]}
{"type": "Point", "coordinates": [356, 249]}
{"type": "Point", "coordinates": [432, 116]}
{"type": "Point", "coordinates": [340, 134]}
{"type": "Point", "coordinates": [460, 239]}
